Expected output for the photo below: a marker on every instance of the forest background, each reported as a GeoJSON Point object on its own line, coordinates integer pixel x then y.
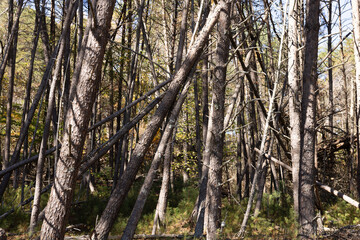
{"type": "Point", "coordinates": [229, 118]}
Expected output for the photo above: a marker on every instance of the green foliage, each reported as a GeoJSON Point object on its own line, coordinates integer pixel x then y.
{"type": "Point", "coordinates": [86, 212]}
{"type": "Point", "coordinates": [181, 203]}
{"type": "Point", "coordinates": [276, 220]}
{"type": "Point", "coordinates": [341, 214]}
{"type": "Point", "coordinates": [19, 219]}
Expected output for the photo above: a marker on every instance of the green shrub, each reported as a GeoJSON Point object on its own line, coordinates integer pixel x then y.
{"type": "Point", "coordinates": [341, 214]}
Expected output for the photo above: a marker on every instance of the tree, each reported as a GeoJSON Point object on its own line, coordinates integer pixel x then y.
{"type": "Point", "coordinates": [356, 23]}
{"type": "Point", "coordinates": [108, 217]}
{"type": "Point", "coordinates": [308, 122]}
{"type": "Point", "coordinates": [64, 97]}
{"type": "Point", "coordinates": [84, 85]}
{"type": "Point", "coordinates": [48, 118]}
{"type": "Point", "coordinates": [160, 212]}
{"type": "Point", "coordinates": [213, 194]}
{"type": "Point", "coordinates": [158, 156]}
{"type": "Point", "coordinates": [294, 98]}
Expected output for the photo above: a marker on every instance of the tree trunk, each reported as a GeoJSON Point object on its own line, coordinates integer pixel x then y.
{"type": "Point", "coordinates": [240, 149]}
{"type": "Point", "coordinates": [26, 123]}
{"type": "Point", "coordinates": [12, 34]}
{"type": "Point", "coordinates": [166, 36]}
{"type": "Point", "coordinates": [201, 208]}
{"type": "Point", "coordinates": [262, 180]}
{"type": "Point", "coordinates": [120, 95]}
{"type": "Point", "coordinates": [80, 24]}
{"type": "Point", "coordinates": [260, 160]}
{"type": "Point", "coordinates": [11, 76]}
{"type": "Point", "coordinates": [330, 76]}
{"type": "Point", "coordinates": [204, 81]}
{"type": "Point", "coordinates": [52, 25]}
{"type": "Point", "coordinates": [197, 127]}
{"type": "Point", "coordinates": [123, 142]}
{"type": "Point", "coordinates": [308, 121]}
{"type": "Point", "coordinates": [28, 93]}
{"type": "Point", "coordinates": [218, 102]}
{"type": "Point", "coordinates": [47, 44]}
{"type": "Point", "coordinates": [163, 145]}
{"type": "Point", "coordinates": [183, 28]}
{"type": "Point", "coordinates": [346, 96]}
{"type": "Point", "coordinates": [330, 72]}
{"type": "Point", "coordinates": [160, 213]}
{"type": "Point", "coordinates": [109, 215]}
{"type": "Point", "coordinates": [66, 66]}
{"type": "Point", "coordinates": [185, 172]}
{"type": "Point", "coordinates": [356, 23]}
{"type": "Point", "coordinates": [131, 87]}
{"type": "Point", "coordinates": [10, 95]}
{"type": "Point", "coordinates": [85, 83]}
{"type": "Point", "coordinates": [294, 99]}
{"type": "Point", "coordinates": [46, 132]}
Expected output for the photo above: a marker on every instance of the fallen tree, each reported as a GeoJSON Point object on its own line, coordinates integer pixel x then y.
{"type": "Point", "coordinates": [321, 185]}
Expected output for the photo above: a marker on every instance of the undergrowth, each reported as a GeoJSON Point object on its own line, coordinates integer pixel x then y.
{"type": "Point", "coordinates": [275, 221]}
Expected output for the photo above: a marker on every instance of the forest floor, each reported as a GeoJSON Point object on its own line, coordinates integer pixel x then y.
{"type": "Point", "coordinates": [351, 232]}
{"type": "Point", "coordinates": [276, 220]}
{"type": "Point", "coordinates": [347, 232]}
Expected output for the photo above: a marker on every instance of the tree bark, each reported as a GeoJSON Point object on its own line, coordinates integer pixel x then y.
{"type": "Point", "coordinates": [85, 84]}
{"type": "Point", "coordinates": [52, 25]}
{"type": "Point", "coordinates": [308, 122]}
{"type": "Point", "coordinates": [197, 127]}
{"type": "Point", "coordinates": [218, 133]}
{"type": "Point", "coordinates": [120, 95]}
{"type": "Point", "coordinates": [205, 113]}
{"type": "Point", "coordinates": [262, 177]}
{"type": "Point", "coordinates": [201, 208]}
{"type": "Point", "coordinates": [294, 99]}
